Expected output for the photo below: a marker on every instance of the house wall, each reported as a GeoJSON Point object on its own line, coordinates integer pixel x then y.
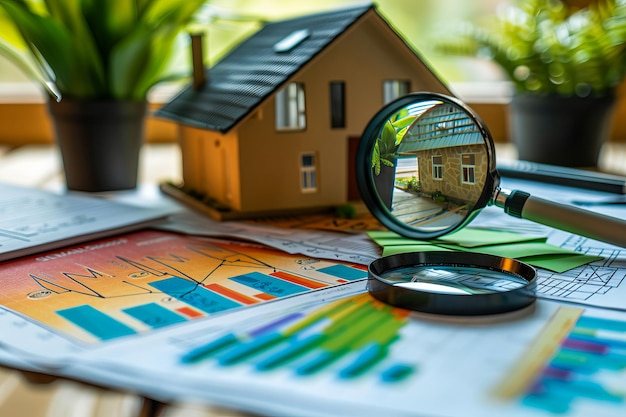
{"type": "Point", "coordinates": [451, 186]}
{"type": "Point", "coordinates": [210, 164]}
{"type": "Point", "coordinates": [364, 56]}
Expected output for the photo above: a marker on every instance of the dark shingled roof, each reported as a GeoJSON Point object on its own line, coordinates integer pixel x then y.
{"type": "Point", "coordinates": [254, 70]}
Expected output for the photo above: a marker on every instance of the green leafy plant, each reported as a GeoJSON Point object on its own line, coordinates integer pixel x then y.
{"type": "Point", "coordinates": [390, 137]}
{"type": "Point", "coordinates": [545, 47]}
{"type": "Point", "coordinates": [96, 48]}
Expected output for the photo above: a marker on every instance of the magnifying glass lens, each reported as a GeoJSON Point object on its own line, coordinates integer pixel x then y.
{"type": "Point", "coordinates": [446, 279]}
{"type": "Point", "coordinates": [439, 282]}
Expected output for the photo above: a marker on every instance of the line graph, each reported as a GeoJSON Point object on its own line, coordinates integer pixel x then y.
{"type": "Point", "coordinates": [151, 279]}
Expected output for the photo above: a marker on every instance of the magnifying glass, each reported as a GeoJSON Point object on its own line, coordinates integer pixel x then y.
{"type": "Point", "coordinates": [426, 166]}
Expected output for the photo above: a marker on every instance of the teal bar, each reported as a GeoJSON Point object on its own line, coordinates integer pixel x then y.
{"type": "Point", "coordinates": [601, 324]}
{"type": "Point", "coordinates": [579, 388]}
{"type": "Point", "coordinates": [323, 359]}
{"type": "Point", "coordinates": [269, 285]}
{"type": "Point", "coordinates": [244, 350]}
{"type": "Point", "coordinates": [99, 324]}
{"type": "Point", "coordinates": [546, 403]}
{"type": "Point", "coordinates": [595, 338]}
{"type": "Point", "coordinates": [154, 315]}
{"type": "Point", "coordinates": [203, 351]}
{"type": "Point", "coordinates": [344, 272]}
{"type": "Point", "coordinates": [580, 361]}
{"type": "Point", "coordinates": [397, 373]}
{"type": "Point", "coordinates": [295, 349]}
{"type": "Point", "coordinates": [194, 295]}
{"type": "Point", "coordinates": [369, 356]}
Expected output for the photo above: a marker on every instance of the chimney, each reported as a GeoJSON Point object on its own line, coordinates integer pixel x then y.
{"type": "Point", "coordinates": [197, 60]}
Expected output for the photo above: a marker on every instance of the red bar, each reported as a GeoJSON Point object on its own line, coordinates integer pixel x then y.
{"type": "Point", "coordinates": [189, 312]}
{"type": "Point", "coordinates": [227, 292]}
{"type": "Point", "coordinates": [264, 296]}
{"type": "Point", "coordinates": [359, 266]}
{"type": "Point", "coordinates": [299, 280]}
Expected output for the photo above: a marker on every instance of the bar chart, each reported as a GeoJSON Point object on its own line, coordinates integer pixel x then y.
{"type": "Point", "coordinates": [576, 365]}
{"type": "Point", "coordinates": [151, 279]}
{"type": "Point", "coordinates": [350, 337]}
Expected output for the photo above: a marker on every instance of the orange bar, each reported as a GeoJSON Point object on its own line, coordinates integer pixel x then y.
{"type": "Point", "coordinates": [189, 312]}
{"type": "Point", "coordinates": [299, 280]}
{"type": "Point", "coordinates": [264, 296]}
{"type": "Point", "coordinates": [359, 266]}
{"type": "Point", "coordinates": [227, 292]}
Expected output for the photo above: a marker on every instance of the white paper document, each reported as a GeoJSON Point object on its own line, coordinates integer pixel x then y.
{"type": "Point", "coordinates": [33, 220]}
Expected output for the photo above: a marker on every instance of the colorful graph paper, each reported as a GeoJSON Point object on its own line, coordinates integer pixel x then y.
{"type": "Point", "coordinates": [578, 363]}
{"type": "Point", "coordinates": [350, 337]}
{"type": "Point", "coordinates": [151, 279]}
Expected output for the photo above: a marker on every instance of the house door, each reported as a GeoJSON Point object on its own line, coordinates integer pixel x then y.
{"type": "Point", "coordinates": [353, 188]}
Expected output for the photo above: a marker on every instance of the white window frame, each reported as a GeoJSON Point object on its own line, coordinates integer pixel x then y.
{"type": "Point", "coordinates": [308, 172]}
{"type": "Point", "coordinates": [393, 89]}
{"type": "Point", "coordinates": [437, 168]}
{"type": "Point", "coordinates": [290, 107]}
{"type": "Point", "coordinates": [468, 170]}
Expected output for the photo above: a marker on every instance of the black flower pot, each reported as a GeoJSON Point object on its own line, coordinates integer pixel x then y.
{"type": "Point", "coordinates": [566, 131]}
{"type": "Point", "coordinates": [99, 142]}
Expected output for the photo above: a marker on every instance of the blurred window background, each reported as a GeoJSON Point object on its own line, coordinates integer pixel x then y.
{"type": "Point", "coordinates": [419, 21]}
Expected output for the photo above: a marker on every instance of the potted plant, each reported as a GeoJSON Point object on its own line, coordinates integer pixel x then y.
{"type": "Point", "coordinates": [384, 154]}
{"type": "Point", "coordinates": [97, 59]}
{"type": "Point", "coordinates": [565, 65]}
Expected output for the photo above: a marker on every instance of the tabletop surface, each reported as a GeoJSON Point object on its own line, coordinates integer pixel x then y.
{"type": "Point", "coordinates": [34, 395]}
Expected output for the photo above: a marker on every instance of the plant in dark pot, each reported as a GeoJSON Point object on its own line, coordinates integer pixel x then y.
{"type": "Point", "coordinates": [565, 65]}
{"type": "Point", "coordinates": [97, 60]}
{"type": "Point", "coordinates": [384, 155]}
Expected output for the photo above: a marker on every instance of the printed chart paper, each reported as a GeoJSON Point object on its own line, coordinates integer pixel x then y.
{"type": "Point", "coordinates": [147, 280]}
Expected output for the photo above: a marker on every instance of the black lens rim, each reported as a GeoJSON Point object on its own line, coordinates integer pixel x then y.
{"type": "Point", "coordinates": [452, 304]}
{"type": "Point", "coordinates": [363, 164]}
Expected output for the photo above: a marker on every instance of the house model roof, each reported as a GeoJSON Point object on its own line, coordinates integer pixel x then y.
{"type": "Point", "coordinates": [257, 68]}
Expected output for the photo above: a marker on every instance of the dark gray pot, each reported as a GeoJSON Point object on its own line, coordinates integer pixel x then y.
{"type": "Point", "coordinates": [99, 142]}
{"type": "Point", "coordinates": [566, 131]}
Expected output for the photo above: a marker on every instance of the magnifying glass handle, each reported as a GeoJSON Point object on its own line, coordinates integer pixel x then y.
{"type": "Point", "coordinates": [560, 216]}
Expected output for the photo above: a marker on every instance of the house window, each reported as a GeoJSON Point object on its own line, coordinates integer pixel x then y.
{"type": "Point", "coordinates": [337, 104]}
{"type": "Point", "coordinates": [437, 167]}
{"type": "Point", "coordinates": [308, 173]}
{"type": "Point", "coordinates": [393, 89]}
{"type": "Point", "coordinates": [290, 113]}
{"type": "Point", "coordinates": [468, 168]}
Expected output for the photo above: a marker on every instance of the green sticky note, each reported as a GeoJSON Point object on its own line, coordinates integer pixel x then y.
{"type": "Point", "coordinates": [470, 237]}
{"type": "Point", "coordinates": [426, 247]}
{"type": "Point", "coordinates": [560, 263]}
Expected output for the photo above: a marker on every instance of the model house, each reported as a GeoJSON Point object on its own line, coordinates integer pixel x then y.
{"type": "Point", "coordinates": [276, 123]}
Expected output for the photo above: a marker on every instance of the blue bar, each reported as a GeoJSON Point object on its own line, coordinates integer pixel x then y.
{"type": "Point", "coordinates": [610, 343]}
{"type": "Point", "coordinates": [601, 324]}
{"type": "Point", "coordinates": [99, 324]}
{"type": "Point", "coordinates": [269, 285]}
{"type": "Point", "coordinates": [244, 350]}
{"type": "Point", "coordinates": [366, 358]}
{"type": "Point", "coordinates": [579, 388]}
{"type": "Point", "coordinates": [154, 315]}
{"type": "Point", "coordinates": [203, 351]}
{"type": "Point", "coordinates": [194, 295]}
{"type": "Point", "coordinates": [295, 349]}
{"type": "Point", "coordinates": [396, 373]}
{"type": "Point", "coordinates": [344, 272]}
{"type": "Point", "coordinates": [546, 403]}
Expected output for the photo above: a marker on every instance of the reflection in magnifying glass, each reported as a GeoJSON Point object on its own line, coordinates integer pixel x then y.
{"type": "Point", "coordinates": [426, 167]}
{"type": "Point", "coordinates": [452, 279]}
